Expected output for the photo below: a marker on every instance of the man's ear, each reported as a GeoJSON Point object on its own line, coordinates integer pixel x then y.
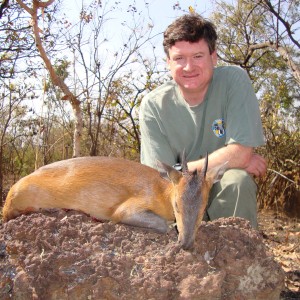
{"type": "Point", "coordinates": [214, 58]}
{"type": "Point", "coordinates": [168, 172]}
{"type": "Point", "coordinates": [168, 61]}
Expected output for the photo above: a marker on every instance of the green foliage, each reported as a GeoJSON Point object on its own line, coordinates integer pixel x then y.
{"type": "Point", "coordinates": [61, 67]}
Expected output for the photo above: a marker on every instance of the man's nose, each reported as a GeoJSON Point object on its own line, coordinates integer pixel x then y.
{"type": "Point", "coordinates": [189, 64]}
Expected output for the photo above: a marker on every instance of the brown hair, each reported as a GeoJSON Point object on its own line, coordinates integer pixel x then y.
{"type": "Point", "coordinates": [190, 28]}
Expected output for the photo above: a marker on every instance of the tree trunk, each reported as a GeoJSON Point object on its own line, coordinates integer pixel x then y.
{"type": "Point", "coordinates": [75, 103]}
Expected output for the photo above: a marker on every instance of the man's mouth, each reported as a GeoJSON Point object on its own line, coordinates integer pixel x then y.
{"type": "Point", "coordinates": [190, 76]}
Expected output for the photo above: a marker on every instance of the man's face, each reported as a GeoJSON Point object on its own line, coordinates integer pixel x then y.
{"type": "Point", "coordinates": [191, 65]}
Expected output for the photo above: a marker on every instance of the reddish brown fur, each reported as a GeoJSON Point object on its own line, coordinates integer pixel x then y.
{"type": "Point", "coordinates": [105, 188]}
{"type": "Point", "coordinates": [107, 184]}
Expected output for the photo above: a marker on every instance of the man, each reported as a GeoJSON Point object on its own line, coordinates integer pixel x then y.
{"type": "Point", "coordinates": [205, 109]}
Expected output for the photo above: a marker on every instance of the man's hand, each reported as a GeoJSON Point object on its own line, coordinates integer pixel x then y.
{"type": "Point", "coordinates": [257, 165]}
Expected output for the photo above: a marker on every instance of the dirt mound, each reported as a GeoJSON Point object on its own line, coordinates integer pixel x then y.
{"type": "Point", "coordinates": [68, 255]}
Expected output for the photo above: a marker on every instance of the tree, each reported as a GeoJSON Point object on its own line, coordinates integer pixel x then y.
{"type": "Point", "coordinates": [99, 65]}
{"type": "Point", "coordinates": [16, 42]}
{"type": "Point", "coordinates": [12, 109]}
{"type": "Point", "coordinates": [250, 30]}
{"type": "Point", "coordinates": [37, 9]}
{"type": "Point", "coordinates": [283, 19]}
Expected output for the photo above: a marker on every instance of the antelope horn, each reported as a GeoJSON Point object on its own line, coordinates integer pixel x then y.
{"type": "Point", "coordinates": [184, 162]}
{"type": "Point", "coordinates": [204, 170]}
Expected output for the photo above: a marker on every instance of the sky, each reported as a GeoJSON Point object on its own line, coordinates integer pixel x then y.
{"type": "Point", "coordinates": [161, 12]}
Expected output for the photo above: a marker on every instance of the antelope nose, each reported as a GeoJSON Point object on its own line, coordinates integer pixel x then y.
{"type": "Point", "coordinates": [187, 244]}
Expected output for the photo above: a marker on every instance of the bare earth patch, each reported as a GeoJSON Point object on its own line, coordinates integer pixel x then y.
{"type": "Point", "coordinates": [281, 236]}
{"type": "Point", "coordinates": [67, 255]}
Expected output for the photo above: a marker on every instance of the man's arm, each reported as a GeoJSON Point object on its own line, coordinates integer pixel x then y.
{"type": "Point", "coordinates": [237, 156]}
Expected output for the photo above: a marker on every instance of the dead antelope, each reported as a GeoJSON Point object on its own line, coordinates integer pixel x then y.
{"type": "Point", "coordinates": [118, 190]}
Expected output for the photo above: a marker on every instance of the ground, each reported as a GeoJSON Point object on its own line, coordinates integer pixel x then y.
{"type": "Point", "coordinates": [60, 254]}
{"type": "Point", "coordinates": [281, 235]}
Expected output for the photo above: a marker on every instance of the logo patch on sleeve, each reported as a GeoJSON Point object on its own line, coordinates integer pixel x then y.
{"type": "Point", "coordinates": [218, 127]}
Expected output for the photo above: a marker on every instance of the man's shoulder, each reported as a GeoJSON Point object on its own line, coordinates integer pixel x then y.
{"type": "Point", "coordinates": [230, 72]}
{"type": "Point", "coordinates": [159, 93]}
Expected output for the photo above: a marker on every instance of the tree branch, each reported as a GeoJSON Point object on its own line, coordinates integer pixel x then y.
{"type": "Point", "coordinates": [283, 22]}
{"type": "Point", "coordinates": [58, 81]}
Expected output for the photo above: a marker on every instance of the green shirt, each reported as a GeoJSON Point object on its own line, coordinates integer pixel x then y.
{"type": "Point", "coordinates": [229, 114]}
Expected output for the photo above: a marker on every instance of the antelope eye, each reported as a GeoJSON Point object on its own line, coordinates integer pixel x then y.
{"type": "Point", "coordinates": [176, 207]}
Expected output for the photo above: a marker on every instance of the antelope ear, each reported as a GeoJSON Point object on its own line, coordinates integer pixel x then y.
{"type": "Point", "coordinates": [168, 172]}
{"type": "Point", "coordinates": [215, 174]}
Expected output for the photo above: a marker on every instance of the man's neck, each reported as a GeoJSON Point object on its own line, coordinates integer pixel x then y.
{"type": "Point", "coordinates": [193, 98]}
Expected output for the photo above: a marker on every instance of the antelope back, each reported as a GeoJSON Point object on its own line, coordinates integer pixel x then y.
{"type": "Point", "coordinates": [94, 185]}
